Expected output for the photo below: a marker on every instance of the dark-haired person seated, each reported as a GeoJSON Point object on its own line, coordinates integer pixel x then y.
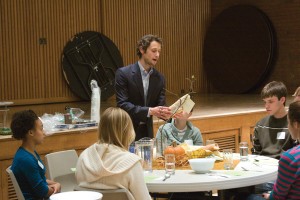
{"type": "Point", "coordinates": [287, 185]}
{"type": "Point", "coordinates": [27, 165]}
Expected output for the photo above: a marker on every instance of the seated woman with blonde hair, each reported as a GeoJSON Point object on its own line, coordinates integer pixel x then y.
{"type": "Point", "coordinates": [108, 164]}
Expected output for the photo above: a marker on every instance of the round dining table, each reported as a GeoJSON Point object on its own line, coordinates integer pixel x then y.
{"type": "Point", "coordinates": [77, 195]}
{"type": "Point", "coordinates": [257, 170]}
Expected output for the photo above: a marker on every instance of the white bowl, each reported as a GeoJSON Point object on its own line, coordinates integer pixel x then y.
{"type": "Point", "coordinates": [202, 165]}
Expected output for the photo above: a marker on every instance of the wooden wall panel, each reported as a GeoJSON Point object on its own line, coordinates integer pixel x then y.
{"type": "Point", "coordinates": [31, 72]}
{"type": "Point", "coordinates": [226, 139]}
{"type": "Point", "coordinates": [181, 24]}
{"type": "Point", "coordinates": [21, 78]}
{"type": "Point", "coordinates": [62, 20]}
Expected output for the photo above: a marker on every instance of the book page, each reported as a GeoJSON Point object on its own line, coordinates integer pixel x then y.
{"type": "Point", "coordinates": [183, 104]}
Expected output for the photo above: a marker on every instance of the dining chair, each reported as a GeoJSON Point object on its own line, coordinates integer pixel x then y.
{"type": "Point", "coordinates": [15, 184]}
{"type": "Point", "coordinates": [59, 168]}
{"type": "Point", "coordinates": [120, 194]}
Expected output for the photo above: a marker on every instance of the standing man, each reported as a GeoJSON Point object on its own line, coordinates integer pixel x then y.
{"type": "Point", "coordinates": [140, 88]}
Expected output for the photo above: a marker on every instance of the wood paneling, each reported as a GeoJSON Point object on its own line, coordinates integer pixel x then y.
{"type": "Point", "coordinates": [31, 72]}
{"type": "Point", "coordinates": [226, 139]}
{"type": "Point", "coordinates": [182, 26]}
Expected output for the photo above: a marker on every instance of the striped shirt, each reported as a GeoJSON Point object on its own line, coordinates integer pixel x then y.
{"type": "Point", "coordinates": [287, 185]}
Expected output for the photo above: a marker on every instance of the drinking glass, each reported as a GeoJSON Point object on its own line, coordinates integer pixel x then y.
{"type": "Point", "coordinates": [170, 163]}
{"type": "Point", "coordinates": [243, 151]}
{"type": "Point", "coordinates": [228, 159]}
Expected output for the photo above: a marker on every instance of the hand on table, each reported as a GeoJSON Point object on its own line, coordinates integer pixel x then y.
{"type": "Point", "coordinates": [56, 187]}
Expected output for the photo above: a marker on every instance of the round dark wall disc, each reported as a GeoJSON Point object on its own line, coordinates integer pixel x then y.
{"type": "Point", "coordinates": [91, 55]}
{"type": "Point", "coordinates": [239, 49]}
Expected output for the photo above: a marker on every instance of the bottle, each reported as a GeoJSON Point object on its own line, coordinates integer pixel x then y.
{"type": "Point", "coordinates": [95, 101]}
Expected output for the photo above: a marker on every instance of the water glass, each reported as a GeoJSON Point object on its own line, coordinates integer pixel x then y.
{"type": "Point", "coordinates": [243, 151]}
{"type": "Point", "coordinates": [228, 159]}
{"type": "Point", "coordinates": [170, 163]}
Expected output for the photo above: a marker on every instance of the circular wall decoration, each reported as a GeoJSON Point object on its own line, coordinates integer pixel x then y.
{"type": "Point", "coordinates": [91, 55]}
{"type": "Point", "coordinates": [239, 49]}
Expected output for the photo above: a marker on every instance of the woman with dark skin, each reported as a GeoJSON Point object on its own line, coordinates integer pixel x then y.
{"type": "Point", "coordinates": [27, 166]}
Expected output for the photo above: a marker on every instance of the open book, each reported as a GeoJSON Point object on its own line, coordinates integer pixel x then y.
{"type": "Point", "coordinates": [183, 104]}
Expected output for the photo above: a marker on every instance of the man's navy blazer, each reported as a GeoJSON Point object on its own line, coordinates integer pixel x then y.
{"type": "Point", "coordinates": [130, 95]}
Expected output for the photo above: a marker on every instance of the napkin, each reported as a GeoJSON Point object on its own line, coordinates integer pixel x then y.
{"type": "Point", "coordinates": [150, 178]}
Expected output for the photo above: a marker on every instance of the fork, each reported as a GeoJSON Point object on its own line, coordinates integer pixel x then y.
{"type": "Point", "coordinates": [245, 169]}
{"type": "Point", "coordinates": [220, 175]}
{"type": "Point", "coordinates": [166, 176]}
